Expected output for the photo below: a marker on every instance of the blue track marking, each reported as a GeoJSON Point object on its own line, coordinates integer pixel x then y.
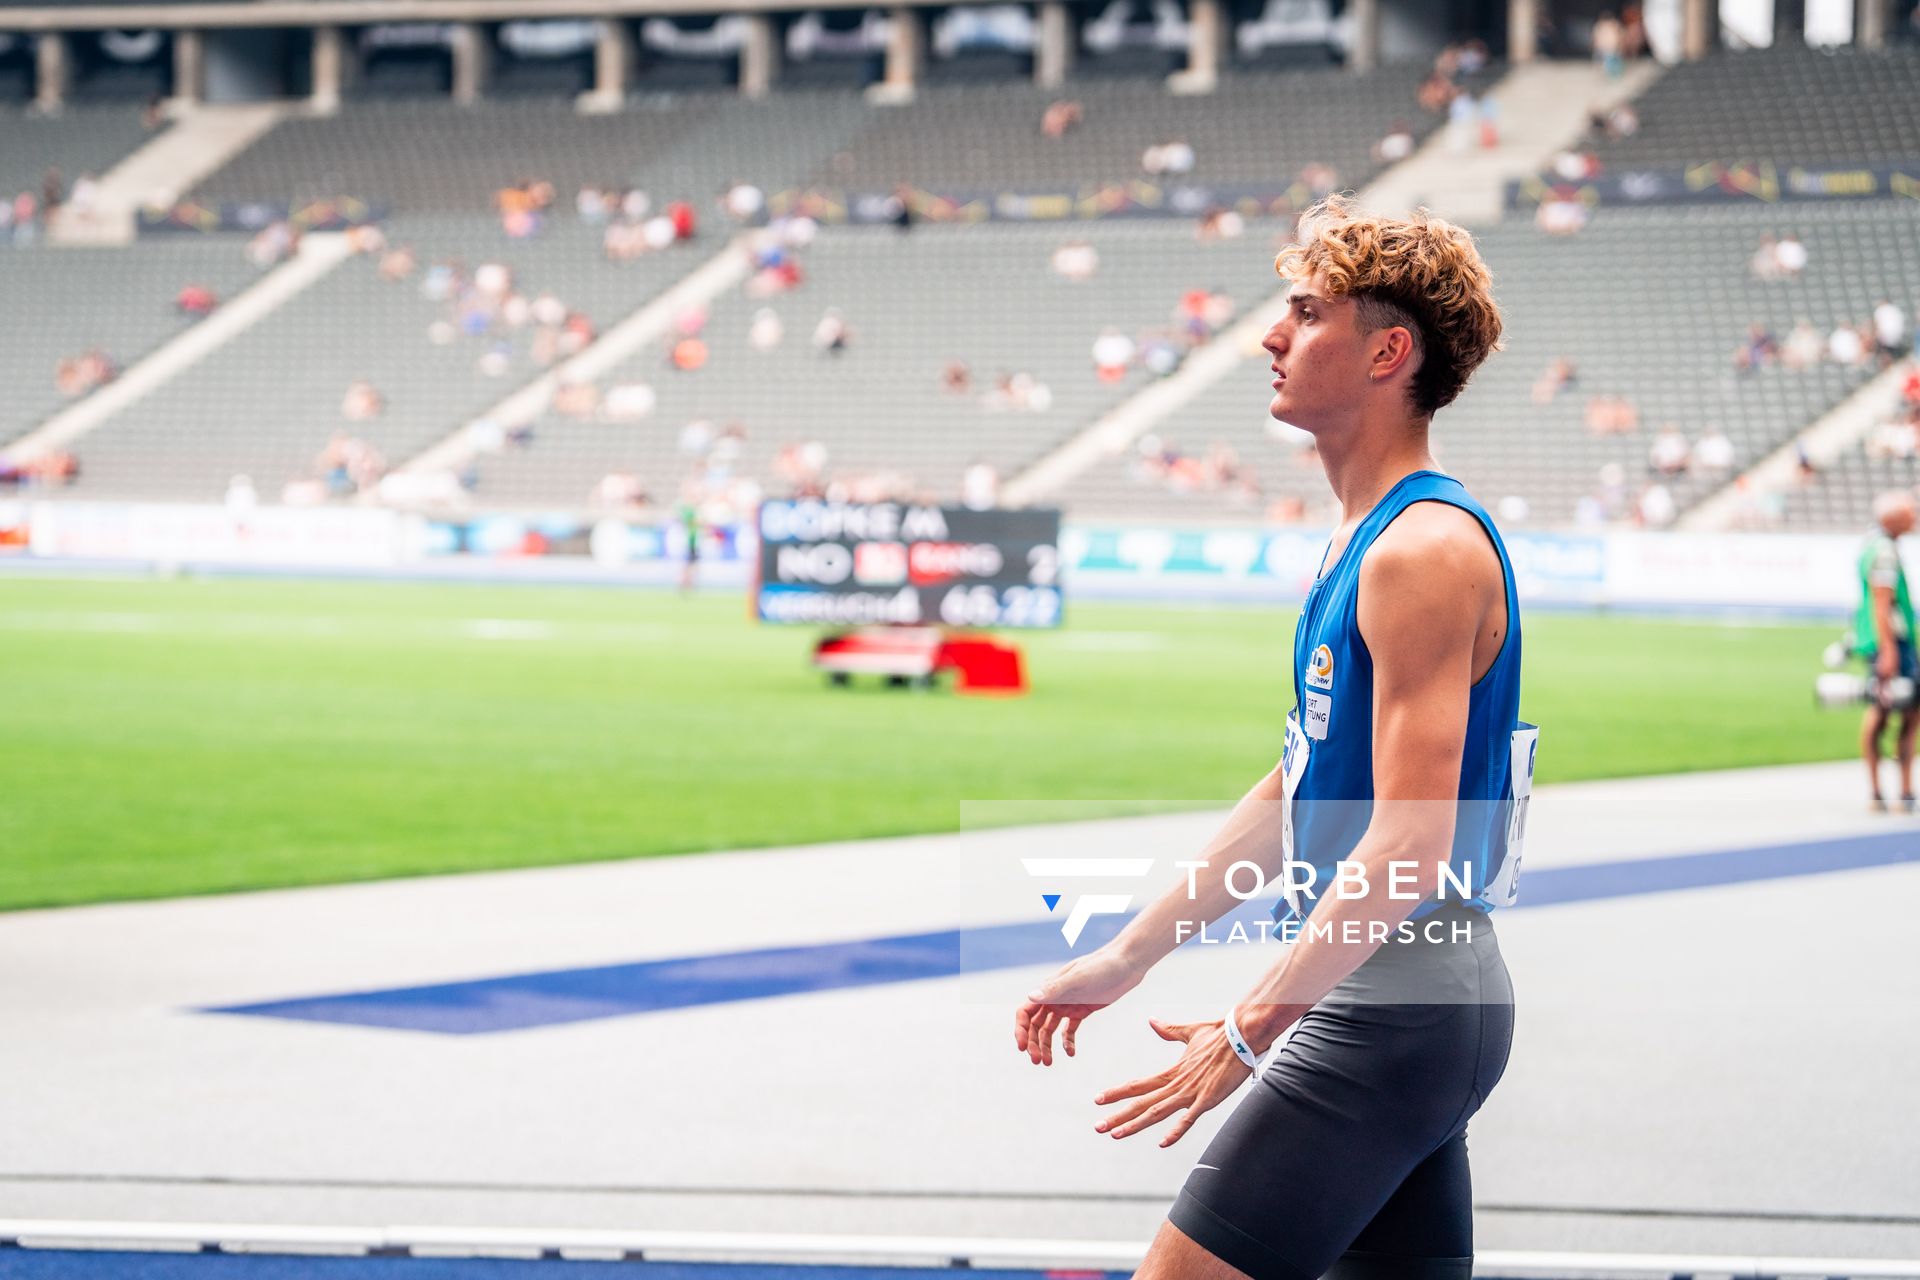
{"type": "Point", "coordinates": [94, 1264]}
{"type": "Point", "coordinates": [518, 1002]}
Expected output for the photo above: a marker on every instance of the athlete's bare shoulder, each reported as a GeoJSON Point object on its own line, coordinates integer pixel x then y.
{"type": "Point", "coordinates": [1433, 566]}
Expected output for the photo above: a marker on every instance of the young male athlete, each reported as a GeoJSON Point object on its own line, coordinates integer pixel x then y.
{"type": "Point", "coordinates": [1348, 1156]}
{"type": "Point", "coordinates": [1883, 633]}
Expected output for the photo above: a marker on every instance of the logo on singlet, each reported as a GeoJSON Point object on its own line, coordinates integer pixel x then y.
{"type": "Point", "coordinates": [1320, 668]}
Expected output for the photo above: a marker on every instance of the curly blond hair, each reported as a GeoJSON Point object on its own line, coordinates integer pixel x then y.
{"type": "Point", "coordinates": [1418, 272]}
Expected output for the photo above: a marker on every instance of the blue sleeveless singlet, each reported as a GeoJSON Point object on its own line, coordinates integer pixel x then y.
{"type": "Point", "coordinates": [1328, 763]}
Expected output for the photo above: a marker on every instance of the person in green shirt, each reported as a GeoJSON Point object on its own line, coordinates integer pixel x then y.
{"type": "Point", "coordinates": [1883, 633]}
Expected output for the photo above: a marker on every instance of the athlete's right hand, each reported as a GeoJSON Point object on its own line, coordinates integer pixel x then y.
{"type": "Point", "coordinates": [1087, 984]}
{"type": "Point", "coordinates": [1886, 664]}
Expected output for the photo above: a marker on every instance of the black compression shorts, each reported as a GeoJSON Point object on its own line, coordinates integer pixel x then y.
{"type": "Point", "coordinates": [1348, 1157]}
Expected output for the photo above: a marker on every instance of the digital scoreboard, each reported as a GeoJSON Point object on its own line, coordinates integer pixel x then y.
{"type": "Point", "coordinates": [870, 563]}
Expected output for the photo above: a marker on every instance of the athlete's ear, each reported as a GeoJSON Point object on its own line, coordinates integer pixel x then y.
{"type": "Point", "coordinates": [1393, 350]}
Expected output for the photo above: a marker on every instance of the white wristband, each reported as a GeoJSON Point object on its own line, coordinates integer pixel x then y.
{"type": "Point", "coordinates": [1240, 1045]}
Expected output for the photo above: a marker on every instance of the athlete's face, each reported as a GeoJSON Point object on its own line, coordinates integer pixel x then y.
{"type": "Point", "coordinates": [1320, 357]}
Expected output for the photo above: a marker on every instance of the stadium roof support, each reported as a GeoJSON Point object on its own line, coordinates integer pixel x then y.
{"type": "Point", "coordinates": [1523, 31]}
{"type": "Point", "coordinates": [50, 70]}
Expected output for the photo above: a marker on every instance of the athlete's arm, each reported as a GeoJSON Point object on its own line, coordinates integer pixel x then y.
{"type": "Point", "coordinates": [1429, 587]}
{"type": "Point", "coordinates": [1886, 662]}
{"type": "Point", "coordinates": [1089, 983]}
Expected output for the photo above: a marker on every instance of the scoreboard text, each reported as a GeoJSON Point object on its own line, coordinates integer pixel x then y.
{"type": "Point", "coordinates": [868, 563]}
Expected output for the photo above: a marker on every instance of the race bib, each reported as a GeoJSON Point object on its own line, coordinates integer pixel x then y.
{"type": "Point", "coordinates": [1504, 887]}
{"type": "Point", "coordinates": [1293, 767]}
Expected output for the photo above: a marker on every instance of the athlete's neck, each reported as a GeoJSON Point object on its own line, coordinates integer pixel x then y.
{"type": "Point", "coordinates": [1362, 465]}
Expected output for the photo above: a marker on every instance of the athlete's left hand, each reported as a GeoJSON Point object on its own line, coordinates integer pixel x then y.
{"type": "Point", "coordinates": [1206, 1075]}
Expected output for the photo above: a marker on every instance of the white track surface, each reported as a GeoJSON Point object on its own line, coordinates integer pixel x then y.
{"type": "Point", "coordinates": [1715, 1071]}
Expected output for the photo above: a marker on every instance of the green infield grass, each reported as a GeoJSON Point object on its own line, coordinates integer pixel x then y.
{"type": "Point", "coordinates": [176, 737]}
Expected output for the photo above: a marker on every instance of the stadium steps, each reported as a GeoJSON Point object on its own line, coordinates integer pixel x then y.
{"type": "Point", "coordinates": [319, 254]}
{"type": "Point", "coordinates": [1543, 107]}
{"type": "Point", "coordinates": [200, 142]}
{"type": "Point", "coordinates": [1834, 434]}
{"type": "Point", "coordinates": [647, 324]}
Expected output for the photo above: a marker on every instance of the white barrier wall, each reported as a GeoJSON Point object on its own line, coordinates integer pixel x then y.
{"type": "Point", "coordinates": [1626, 569]}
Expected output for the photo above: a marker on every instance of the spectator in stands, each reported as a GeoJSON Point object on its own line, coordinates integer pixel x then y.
{"type": "Point", "coordinates": [743, 202]}
{"type": "Point", "coordinates": [195, 300]}
{"type": "Point", "coordinates": [576, 398]}
{"type": "Point", "coordinates": [1561, 212]}
{"type": "Point", "coordinates": [1805, 471]}
{"type": "Point", "coordinates": [1572, 165]}
{"type": "Point", "coordinates": [696, 438]}
{"type": "Point", "coordinates": [1889, 332]}
{"type": "Point", "coordinates": [1611, 415]}
{"type": "Point", "coordinates": [1846, 346]}
{"type": "Point", "coordinates": [1559, 375]}
{"type": "Point", "coordinates": [397, 263]}
{"type": "Point", "coordinates": [1113, 352]}
{"type": "Point", "coordinates": [980, 486]}
{"type": "Point", "coordinates": [273, 244]}
{"type": "Point", "coordinates": [590, 205]}
{"type": "Point", "coordinates": [1633, 31]}
{"type": "Point", "coordinates": [1608, 43]}
{"type": "Point", "coordinates": [956, 379]}
{"type": "Point", "coordinates": [1670, 454]}
{"type": "Point", "coordinates": [618, 491]}
{"type": "Point", "coordinates": [831, 336]}
{"type": "Point", "coordinates": [766, 333]}
{"type": "Point", "coordinates": [1803, 347]}
{"type": "Point", "coordinates": [1489, 121]}
{"type": "Point", "coordinates": [1161, 352]}
{"type": "Point", "coordinates": [1173, 158]}
{"type": "Point", "coordinates": [78, 375]}
{"type": "Point", "coordinates": [1896, 437]}
{"type": "Point", "coordinates": [1397, 145]}
{"type": "Point", "coordinates": [1656, 508]}
{"type": "Point", "coordinates": [1201, 312]}
{"type": "Point", "coordinates": [1436, 92]}
{"type": "Point", "coordinates": [1021, 392]}
{"type": "Point", "coordinates": [522, 207]}
{"type": "Point", "coordinates": [1060, 116]}
{"type": "Point", "coordinates": [1714, 454]}
{"type": "Point", "coordinates": [658, 232]}
{"type": "Point", "coordinates": [54, 467]}
{"type": "Point", "coordinates": [348, 465]}
{"type": "Point", "coordinates": [1765, 263]}
{"type": "Point", "coordinates": [576, 334]}
{"type": "Point", "coordinates": [628, 401]}
{"type": "Point", "coordinates": [1463, 113]}
{"type": "Point", "coordinates": [1319, 179]}
{"type": "Point", "coordinates": [1075, 260]}
{"type": "Point", "coordinates": [1791, 255]}
{"type": "Point", "coordinates": [1758, 350]}
{"type": "Point", "coordinates": [362, 402]}
{"type": "Point", "coordinates": [1513, 509]}
{"type": "Point", "coordinates": [623, 241]}
{"type": "Point", "coordinates": [688, 354]}
{"type": "Point", "coordinates": [681, 217]}
{"type": "Point", "coordinates": [83, 200]}
{"type": "Point", "coordinates": [1220, 224]}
